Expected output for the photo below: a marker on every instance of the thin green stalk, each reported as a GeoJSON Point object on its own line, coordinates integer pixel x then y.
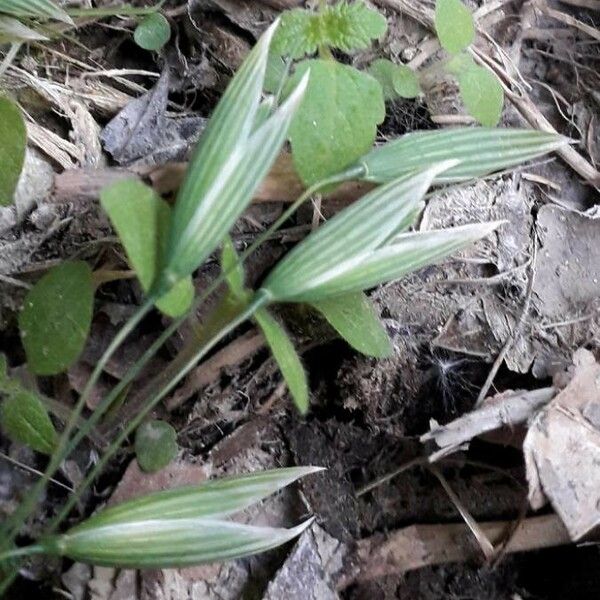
{"type": "Point", "coordinates": [259, 300]}
{"type": "Point", "coordinates": [20, 552]}
{"type": "Point", "coordinates": [29, 504]}
{"type": "Point", "coordinates": [105, 404]}
{"type": "Point", "coordinates": [11, 527]}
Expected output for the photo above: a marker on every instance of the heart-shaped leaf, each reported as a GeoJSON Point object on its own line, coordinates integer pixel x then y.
{"type": "Point", "coordinates": [454, 25]}
{"type": "Point", "coordinates": [337, 120]}
{"type": "Point", "coordinates": [56, 317]}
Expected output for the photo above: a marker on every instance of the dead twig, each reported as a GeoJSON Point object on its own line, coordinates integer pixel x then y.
{"type": "Point", "coordinates": [418, 546]}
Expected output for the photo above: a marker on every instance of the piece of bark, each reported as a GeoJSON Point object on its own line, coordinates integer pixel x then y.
{"type": "Point", "coordinates": [423, 545]}
{"type": "Point", "coordinates": [507, 408]}
{"type": "Point", "coordinates": [562, 450]}
{"type": "Point", "coordinates": [281, 184]}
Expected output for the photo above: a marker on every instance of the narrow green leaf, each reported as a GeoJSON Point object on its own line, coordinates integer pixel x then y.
{"type": "Point", "coordinates": [481, 93]}
{"type": "Point", "coordinates": [233, 269]}
{"type": "Point", "coordinates": [286, 357]}
{"type": "Point", "coordinates": [12, 30]}
{"type": "Point", "coordinates": [56, 318]}
{"type": "Point", "coordinates": [43, 9]}
{"type": "Point", "coordinates": [363, 226]}
{"type": "Point", "coordinates": [337, 121]}
{"type": "Point", "coordinates": [13, 141]}
{"type": "Point", "coordinates": [141, 218]}
{"type": "Point", "coordinates": [211, 500]}
{"type": "Point", "coordinates": [354, 318]}
{"type": "Point", "coordinates": [396, 80]}
{"type": "Point", "coordinates": [480, 151]}
{"type": "Point", "coordinates": [23, 416]}
{"type": "Point", "coordinates": [408, 252]}
{"type": "Point", "coordinates": [454, 25]}
{"type": "Point", "coordinates": [163, 544]}
{"type": "Point", "coordinates": [155, 445]}
{"type": "Point", "coordinates": [231, 160]}
{"type": "Point", "coordinates": [153, 32]}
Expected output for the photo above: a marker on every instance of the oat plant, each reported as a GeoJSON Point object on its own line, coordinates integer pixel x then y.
{"type": "Point", "coordinates": [369, 243]}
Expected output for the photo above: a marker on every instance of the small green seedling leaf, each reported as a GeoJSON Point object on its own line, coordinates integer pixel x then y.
{"type": "Point", "coordinates": [23, 416]}
{"type": "Point", "coordinates": [396, 80]}
{"type": "Point", "coordinates": [13, 141]}
{"type": "Point", "coordinates": [180, 527]}
{"type": "Point", "coordinates": [346, 26]}
{"type": "Point", "coordinates": [354, 318]}
{"type": "Point", "coordinates": [56, 317]}
{"type": "Point", "coordinates": [481, 93]}
{"type": "Point", "coordinates": [454, 25]}
{"type": "Point", "coordinates": [337, 121]}
{"type": "Point", "coordinates": [155, 445]}
{"type": "Point", "coordinates": [406, 83]}
{"type": "Point", "coordinates": [286, 357]}
{"type": "Point", "coordinates": [142, 218]}
{"type": "Point", "coordinates": [153, 32]}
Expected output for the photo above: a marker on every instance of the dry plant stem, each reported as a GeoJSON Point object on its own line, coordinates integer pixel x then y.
{"type": "Point", "coordinates": [484, 543]}
{"type": "Point", "coordinates": [420, 461]}
{"type": "Point", "coordinates": [422, 545]}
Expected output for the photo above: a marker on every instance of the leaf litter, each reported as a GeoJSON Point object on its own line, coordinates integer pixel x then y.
{"type": "Point", "coordinates": [447, 324]}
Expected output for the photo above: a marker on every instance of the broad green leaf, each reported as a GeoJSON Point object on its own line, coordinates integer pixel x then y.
{"type": "Point", "coordinates": [337, 121]}
{"type": "Point", "coordinates": [454, 25]}
{"type": "Point", "coordinates": [43, 9]}
{"type": "Point", "coordinates": [346, 26]}
{"type": "Point", "coordinates": [275, 74]}
{"type": "Point", "coordinates": [233, 269]}
{"type": "Point", "coordinates": [56, 317]}
{"type": "Point", "coordinates": [211, 500]}
{"type": "Point", "coordinates": [23, 416]}
{"type": "Point", "coordinates": [155, 445]}
{"type": "Point", "coordinates": [141, 218]}
{"type": "Point", "coordinates": [481, 93]}
{"type": "Point", "coordinates": [163, 544]}
{"type": "Point", "coordinates": [406, 82]}
{"type": "Point", "coordinates": [354, 318]}
{"type": "Point", "coordinates": [407, 253]}
{"type": "Point", "coordinates": [13, 141]}
{"type": "Point", "coordinates": [153, 32]}
{"type": "Point", "coordinates": [396, 80]}
{"type": "Point", "coordinates": [363, 226]}
{"type": "Point", "coordinates": [479, 151]}
{"type": "Point", "coordinates": [286, 357]}
{"type": "Point", "coordinates": [12, 30]}
{"type": "Point", "coordinates": [231, 160]}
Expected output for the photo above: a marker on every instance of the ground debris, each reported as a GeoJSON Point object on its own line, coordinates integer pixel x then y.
{"type": "Point", "coordinates": [143, 132]}
{"type": "Point", "coordinates": [562, 450]}
{"type": "Point", "coordinates": [417, 546]}
{"type": "Point", "coordinates": [311, 570]}
{"type": "Point", "coordinates": [509, 408]}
